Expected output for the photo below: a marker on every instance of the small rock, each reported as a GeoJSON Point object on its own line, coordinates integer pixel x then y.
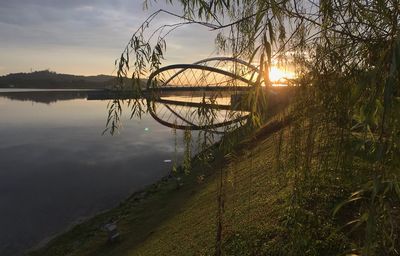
{"type": "Point", "coordinates": [112, 231]}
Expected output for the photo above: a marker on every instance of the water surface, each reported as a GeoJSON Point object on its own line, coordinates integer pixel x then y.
{"type": "Point", "coordinates": [56, 167]}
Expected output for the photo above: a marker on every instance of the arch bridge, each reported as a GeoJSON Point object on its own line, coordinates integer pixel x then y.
{"type": "Point", "coordinates": [212, 74]}
{"type": "Point", "coordinates": [205, 95]}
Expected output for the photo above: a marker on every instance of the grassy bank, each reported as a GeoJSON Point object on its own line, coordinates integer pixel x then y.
{"type": "Point", "coordinates": [264, 206]}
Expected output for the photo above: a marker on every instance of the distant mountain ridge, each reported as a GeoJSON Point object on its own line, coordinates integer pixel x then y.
{"type": "Point", "coordinates": [51, 80]}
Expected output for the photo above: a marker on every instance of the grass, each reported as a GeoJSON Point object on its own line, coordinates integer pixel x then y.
{"type": "Point", "coordinates": [265, 211]}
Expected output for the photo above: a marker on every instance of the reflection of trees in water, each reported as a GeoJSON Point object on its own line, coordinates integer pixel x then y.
{"type": "Point", "coordinates": [46, 97]}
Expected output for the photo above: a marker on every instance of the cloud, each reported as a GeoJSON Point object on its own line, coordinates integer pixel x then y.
{"type": "Point", "coordinates": [79, 24]}
{"type": "Point", "coordinates": [42, 26]}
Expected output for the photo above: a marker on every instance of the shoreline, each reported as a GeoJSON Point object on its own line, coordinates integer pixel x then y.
{"type": "Point", "coordinates": [168, 184]}
{"type": "Point", "coordinates": [141, 193]}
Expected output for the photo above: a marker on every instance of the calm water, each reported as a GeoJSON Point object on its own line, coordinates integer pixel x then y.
{"type": "Point", "coordinates": [56, 167]}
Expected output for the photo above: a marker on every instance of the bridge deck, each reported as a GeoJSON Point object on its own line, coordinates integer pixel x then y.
{"type": "Point", "coordinates": [200, 88]}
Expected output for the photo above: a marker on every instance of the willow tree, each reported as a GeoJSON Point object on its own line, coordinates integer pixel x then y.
{"type": "Point", "coordinates": [346, 55]}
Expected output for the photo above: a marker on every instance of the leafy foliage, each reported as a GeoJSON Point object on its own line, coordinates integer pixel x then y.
{"type": "Point", "coordinates": [347, 58]}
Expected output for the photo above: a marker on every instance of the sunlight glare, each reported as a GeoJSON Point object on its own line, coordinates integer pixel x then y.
{"type": "Point", "coordinates": [279, 76]}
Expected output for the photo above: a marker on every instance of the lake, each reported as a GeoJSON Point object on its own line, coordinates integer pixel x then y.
{"type": "Point", "coordinates": [57, 168]}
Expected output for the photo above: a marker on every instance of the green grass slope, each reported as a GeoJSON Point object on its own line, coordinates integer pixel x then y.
{"type": "Point", "coordinates": [261, 214]}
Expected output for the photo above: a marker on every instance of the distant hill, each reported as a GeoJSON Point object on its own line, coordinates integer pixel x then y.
{"type": "Point", "coordinates": [51, 80]}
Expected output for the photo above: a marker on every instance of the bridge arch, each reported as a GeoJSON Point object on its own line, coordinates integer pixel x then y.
{"type": "Point", "coordinates": [210, 73]}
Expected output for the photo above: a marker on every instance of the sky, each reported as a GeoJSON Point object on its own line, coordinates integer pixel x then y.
{"type": "Point", "coordinates": [84, 37]}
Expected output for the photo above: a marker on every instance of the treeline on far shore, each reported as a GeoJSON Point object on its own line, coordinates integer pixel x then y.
{"type": "Point", "coordinates": [51, 80]}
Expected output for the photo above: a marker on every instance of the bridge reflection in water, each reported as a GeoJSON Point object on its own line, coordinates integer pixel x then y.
{"type": "Point", "coordinates": [186, 110]}
{"type": "Point", "coordinates": [204, 112]}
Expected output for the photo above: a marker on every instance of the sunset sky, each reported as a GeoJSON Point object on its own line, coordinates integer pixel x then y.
{"type": "Point", "coordinates": [84, 36]}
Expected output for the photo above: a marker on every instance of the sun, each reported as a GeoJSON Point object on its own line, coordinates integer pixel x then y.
{"type": "Point", "coordinates": [279, 76]}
